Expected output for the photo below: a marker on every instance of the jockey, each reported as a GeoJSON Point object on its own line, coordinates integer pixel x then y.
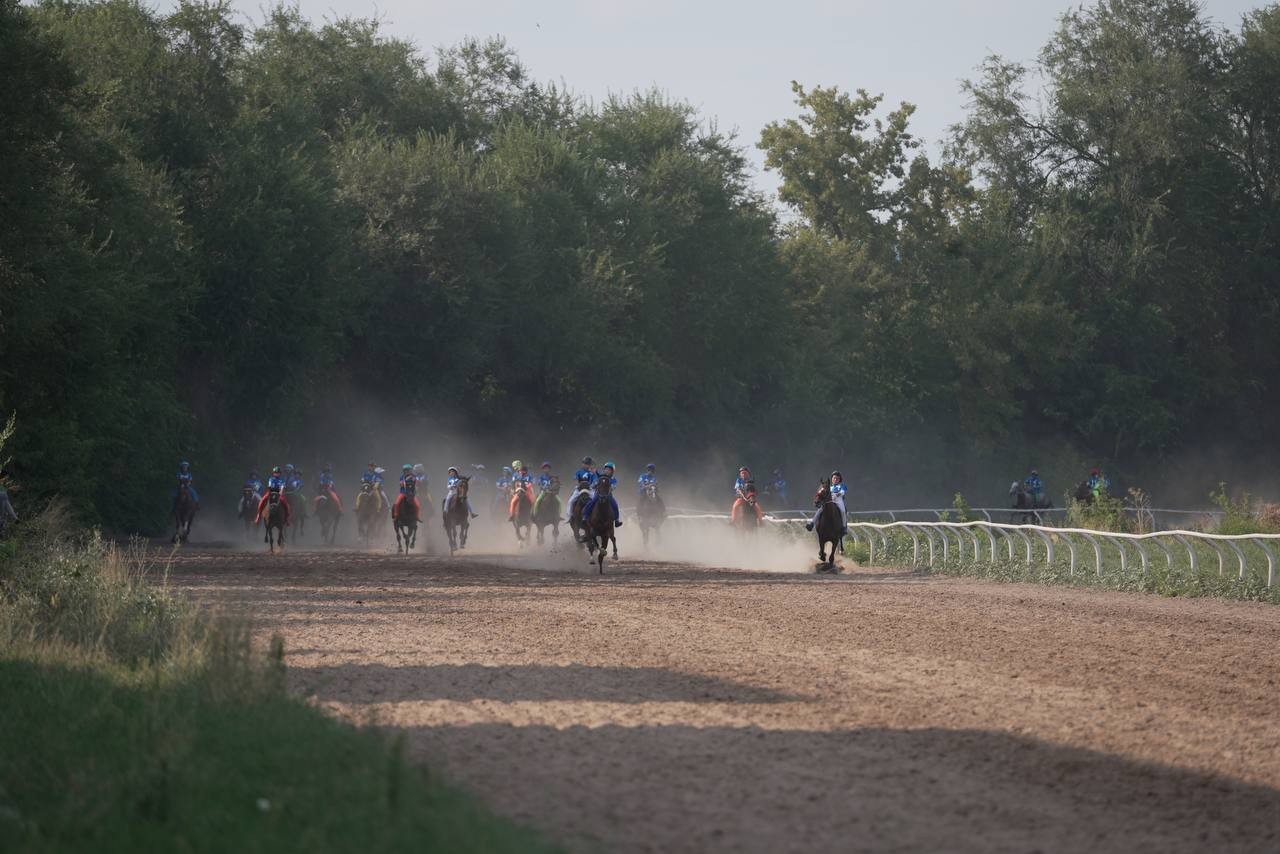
{"type": "Point", "coordinates": [649, 478]}
{"type": "Point", "coordinates": [544, 482]}
{"type": "Point", "coordinates": [420, 475]}
{"type": "Point", "coordinates": [254, 483]}
{"type": "Point", "coordinates": [585, 474]}
{"type": "Point", "coordinates": [408, 489]}
{"type": "Point", "coordinates": [504, 480]}
{"type": "Point", "coordinates": [779, 487]}
{"type": "Point", "coordinates": [606, 472]}
{"type": "Point", "coordinates": [740, 495]}
{"type": "Point", "coordinates": [275, 484]}
{"type": "Point", "coordinates": [838, 492]}
{"type": "Point", "coordinates": [1098, 482]}
{"type": "Point", "coordinates": [328, 487]}
{"type": "Point", "coordinates": [292, 479]}
{"type": "Point", "coordinates": [521, 482]}
{"type": "Point", "coordinates": [1034, 485]}
{"type": "Point", "coordinates": [374, 475]}
{"type": "Point", "coordinates": [184, 479]}
{"type": "Point", "coordinates": [451, 482]}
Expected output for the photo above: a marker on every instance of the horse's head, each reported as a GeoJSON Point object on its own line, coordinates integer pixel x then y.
{"type": "Point", "coordinates": [824, 491]}
{"type": "Point", "coordinates": [464, 482]}
{"type": "Point", "coordinates": [651, 491]}
{"type": "Point", "coordinates": [604, 486]}
{"type": "Point", "coordinates": [366, 488]}
{"type": "Point", "coordinates": [554, 485]}
{"type": "Point", "coordinates": [273, 497]}
{"type": "Point", "coordinates": [750, 491]}
{"type": "Point", "coordinates": [247, 491]}
{"type": "Point", "coordinates": [1016, 488]}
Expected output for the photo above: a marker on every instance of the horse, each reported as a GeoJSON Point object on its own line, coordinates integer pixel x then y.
{"type": "Point", "coordinates": [184, 513]}
{"type": "Point", "coordinates": [600, 525]}
{"type": "Point", "coordinates": [523, 515]}
{"type": "Point", "coordinates": [546, 511]}
{"type": "Point", "coordinates": [576, 526]}
{"type": "Point", "coordinates": [830, 527]}
{"type": "Point", "coordinates": [650, 512]}
{"type": "Point", "coordinates": [368, 511]}
{"type": "Point", "coordinates": [248, 509]}
{"type": "Point", "coordinates": [748, 520]}
{"type": "Point", "coordinates": [297, 510]}
{"type": "Point", "coordinates": [1084, 494]}
{"type": "Point", "coordinates": [456, 519]}
{"type": "Point", "coordinates": [405, 516]}
{"type": "Point", "coordinates": [1025, 504]}
{"type": "Point", "coordinates": [275, 518]}
{"type": "Point", "coordinates": [329, 514]}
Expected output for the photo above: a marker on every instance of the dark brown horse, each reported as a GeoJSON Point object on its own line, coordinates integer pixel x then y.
{"type": "Point", "coordinates": [184, 513]}
{"type": "Point", "coordinates": [457, 520]}
{"type": "Point", "coordinates": [275, 516]}
{"type": "Point", "coordinates": [546, 511]}
{"type": "Point", "coordinates": [600, 526]}
{"type": "Point", "coordinates": [830, 526]}
{"type": "Point", "coordinates": [329, 514]}
{"type": "Point", "coordinates": [650, 512]}
{"type": "Point", "coordinates": [297, 510]}
{"type": "Point", "coordinates": [248, 510]}
{"type": "Point", "coordinates": [404, 515]}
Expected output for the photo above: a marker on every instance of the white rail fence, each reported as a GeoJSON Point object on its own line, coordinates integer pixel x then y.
{"type": "Point", "coordinates": [931, 541]}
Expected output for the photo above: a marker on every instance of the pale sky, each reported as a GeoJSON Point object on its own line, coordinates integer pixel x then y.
{"type": "Point", "coordinates": [735, 61]}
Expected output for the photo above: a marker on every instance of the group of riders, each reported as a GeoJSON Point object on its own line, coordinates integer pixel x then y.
{"type": "Point", "coordinates": [1031, 489]}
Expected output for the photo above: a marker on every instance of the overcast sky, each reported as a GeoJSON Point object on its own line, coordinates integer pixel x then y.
{"type": "Point", "coordinates": [735, 61]}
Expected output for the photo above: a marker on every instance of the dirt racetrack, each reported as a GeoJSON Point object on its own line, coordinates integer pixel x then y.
{"type": "Point", "coordinates": [668, 707]}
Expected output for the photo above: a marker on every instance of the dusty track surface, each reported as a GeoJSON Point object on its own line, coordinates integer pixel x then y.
{"type": "Point", "coordinates": [672, 708]}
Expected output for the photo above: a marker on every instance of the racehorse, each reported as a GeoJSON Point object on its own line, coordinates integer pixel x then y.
{"type": "Point", "coordinates": [576, 526]}
{"type": "Point", "coordinates": [405, 516]}
{"type": "Point", "coordinates": [329, 514]}
{"type": "Point", "coordinates": [368, 511]}
{"type": "Point", "coordinates": [297, 510]}
{"type": "Point", "coordinates": [184, 513]}
{"type": "Point", "coordinates": [522, 518]}
{"type": "Point", "coordinates": [457, 520]}
{"type": "Point", "coordinates": [600, 526]}
{"type": "Point", "coordinates": [1084, 494]}
{"type": "Point", "coordinates": [748, 520]}
{"type": "Point", "coordinates": [275, 517]}
{"type": "Point", "coordinates": [650, 512]}
{"type": "Point", "coordinates": [1025, 504]}
{"type": "Point", "coordinates": [830, 525]}
{"type": "Point", "coordinates": [546, 511]}
{"type": "Point", "coordinates": [248, 509]}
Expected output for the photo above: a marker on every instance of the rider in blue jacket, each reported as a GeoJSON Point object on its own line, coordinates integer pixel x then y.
{"type": "Point", "coordinates": [779, 487]}
{"type": "Point", "coordinates": [585, 473]}
{"type": "Point", "coordinates": [326, 478]}
{"type": "Point", "coordinates": [650, 477]}
{"type": "Point", "coordinates": [1034, 485]}
{"type": "Point", "coordinates": [292, 479]}
{"type": "Point", "coordinates": [606, 473]}
{"type": "Point", "coordinates": [253, 482]}
{"type": "Point", "coordinates": [544, 479]}
{"type": "Point", "coordinates": [184, 479]}
{"type": "Point", "coordinates": [838, 493]}
{"type": "Point", "coordinates": [451, 484]}
{"type": "Point", "coordinates": [276, 483]}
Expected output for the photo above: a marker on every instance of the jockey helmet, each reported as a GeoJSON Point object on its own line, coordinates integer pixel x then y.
{"type": "Point", "coordinates": [418, 468]}
{"type": "Point", "coordinates": [275, 469]}
{"type": "Point", "coordinates": [1036, 473]}
{"type": "Point", "coordinates": [184, 465]}
{"type": "Point", "coordinates": [651, 467]}
{"type": "Point", "coordinates": [1096, 471]}
{"type": "Point", "coordinates": [609, 464]}
{"type": "Point", "coordinates": [327, 467]}
{"type": "Point", "coordinates": [776, 472]}
{"type": "Point", "coordinates": [506, 469]}
{"type": "Point", "coordinates": [253, 473]}
{"type": "Point", "coordinates": [546, 464]}
{"type": "Point", "coordinates": [836, 474]}
{"type": "Point", "coordinates": [288, 466]}
{"type": "Point", "coordinates": [372, 463]}
{"type": "Point", "coordinates": [478, 466]}
{"type": "Point", "coordinates": [587, 461]}
{"type": "Point", "coordinates": [516, 465]}
{"type": "Point", "coordinates": [742, 469]}
{"type": "Point", "coordinates": [406, 467]}
{"type": "Point", "coordinates": [452, 469]}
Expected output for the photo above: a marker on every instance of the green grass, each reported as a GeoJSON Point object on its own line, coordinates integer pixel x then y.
{"type": "Point", "coordinates": [1162, 576]}
{"type": "Point", "coordinates": [133, 722]}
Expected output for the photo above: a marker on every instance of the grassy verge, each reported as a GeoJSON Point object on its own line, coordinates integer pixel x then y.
{"type": "Point", "coordinates": [1167, 575]}
{"type": "Point", "coordinates": [132, 722]}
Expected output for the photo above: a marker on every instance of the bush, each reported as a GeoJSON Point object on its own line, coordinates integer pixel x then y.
{"type": "Point", "coordinates": [1239, 517]}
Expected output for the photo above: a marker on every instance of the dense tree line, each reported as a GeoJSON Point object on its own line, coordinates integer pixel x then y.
{"type": "Point", "coordinates": [208, 232]}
